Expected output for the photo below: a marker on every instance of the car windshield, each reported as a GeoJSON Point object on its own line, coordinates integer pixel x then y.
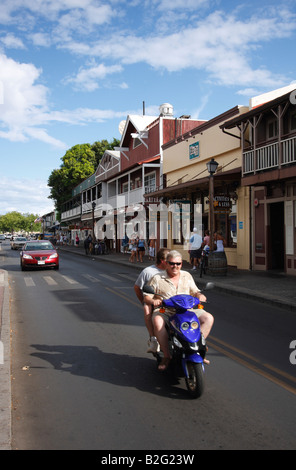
{"type": "Point", "coordinates": [20, 239]}
{"type": "Point", "coordinates": [38, 246]}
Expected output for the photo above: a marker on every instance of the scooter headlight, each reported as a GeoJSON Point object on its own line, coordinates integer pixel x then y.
{"type": "Point", "coordinates": [185, 325]}
{"type": "Point", "coordinates": [194, 325]}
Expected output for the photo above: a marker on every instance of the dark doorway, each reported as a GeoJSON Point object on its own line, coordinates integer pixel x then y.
{"type": "Point", "coordinates": [277, 241]}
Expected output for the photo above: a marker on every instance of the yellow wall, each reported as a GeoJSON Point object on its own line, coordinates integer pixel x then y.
{"type": "Point", "coordinates": [225, 149]}
{"type": "Point", "coordinates": [213, 143]}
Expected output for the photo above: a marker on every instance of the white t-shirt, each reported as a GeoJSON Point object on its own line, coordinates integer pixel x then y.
{"type": "Point", "coordinates": [195, 242]}
{"type": "Point", "coordinates": [145, 276]}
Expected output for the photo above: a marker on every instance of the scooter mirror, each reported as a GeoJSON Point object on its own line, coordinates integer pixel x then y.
{"type": "Point", "coordinates": [209, 285]}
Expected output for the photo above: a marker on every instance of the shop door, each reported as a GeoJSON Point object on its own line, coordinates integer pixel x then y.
{"type": "Point", "coordinates": [277, 242]}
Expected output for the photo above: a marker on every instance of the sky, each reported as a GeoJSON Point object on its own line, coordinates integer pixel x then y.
{"type": "Point", "coordinates": [72, 70]}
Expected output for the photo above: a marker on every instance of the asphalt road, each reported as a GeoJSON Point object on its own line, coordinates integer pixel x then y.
{"type": "Point", "coordinates": [81, 377]}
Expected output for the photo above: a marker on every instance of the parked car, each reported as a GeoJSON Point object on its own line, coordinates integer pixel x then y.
{"type": "Point", "coordinates": [39, 254]}
{"type": "Point", "coordinates": [2, 237]}
{"type": "Point", "coordinates": [17, 242]}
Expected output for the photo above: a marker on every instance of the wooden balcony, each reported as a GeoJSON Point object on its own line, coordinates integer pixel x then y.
{"type": "Point", "coordinates": [268, 157]}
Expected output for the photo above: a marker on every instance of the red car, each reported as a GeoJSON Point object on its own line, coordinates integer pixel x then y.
{"type": "Point", "coordinates": [39, 254]}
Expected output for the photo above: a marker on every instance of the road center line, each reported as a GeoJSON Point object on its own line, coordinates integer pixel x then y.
{"type": "Point", "coordinates": [254, 368]}
{"type": "Point", "coordinates": [137, 304]}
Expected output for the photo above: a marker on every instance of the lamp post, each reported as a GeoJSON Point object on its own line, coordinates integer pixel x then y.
{"type": "Point", "coordinates": [212, 167]}
{"type": "Point", "coordinates": [93, 219]}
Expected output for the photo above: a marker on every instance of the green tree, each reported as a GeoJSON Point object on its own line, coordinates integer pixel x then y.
{"type": "Point", "coordinates": [78, 163]}
{"type": "Point", "coordinates": [100, 146]}
{"type": "Point", "coordinates": [15, 221]}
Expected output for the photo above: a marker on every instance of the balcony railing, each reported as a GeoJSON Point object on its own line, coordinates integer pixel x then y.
{"type": "Point", "coordinates": [76, 211]}
{"type": "Point", "coordinates": [267, 157]}
{"type": "Point", "coordinates": [289, 151]}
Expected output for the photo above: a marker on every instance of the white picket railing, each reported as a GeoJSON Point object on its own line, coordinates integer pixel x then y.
{"type": "Point", "coordinates": [268, 156]}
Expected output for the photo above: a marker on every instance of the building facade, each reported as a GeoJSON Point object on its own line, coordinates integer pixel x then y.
{"type": "Point", "coordinates": [109, 202]}
{"type": "Point", "coordinates": [186, 192]}
{"type": "Point", "coordinates": [268, 146]}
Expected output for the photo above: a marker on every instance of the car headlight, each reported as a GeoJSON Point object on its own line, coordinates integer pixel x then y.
{"type": "Point", "coordinates": [27, 256]}
{"type": "Point", "coordinates": [54, 255]}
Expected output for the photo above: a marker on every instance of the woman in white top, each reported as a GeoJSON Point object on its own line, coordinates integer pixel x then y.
{"type": "Point", "coordinates": [219, 240]}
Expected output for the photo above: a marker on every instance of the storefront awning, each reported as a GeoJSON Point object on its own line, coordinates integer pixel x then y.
{"type": "Point", "coordinates": [149, 160]}
{"type": "Point", "coordinates": [195, 185]}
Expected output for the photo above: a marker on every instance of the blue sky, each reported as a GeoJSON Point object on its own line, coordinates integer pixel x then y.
{"type": "Point", "coordinates": [71, 70]}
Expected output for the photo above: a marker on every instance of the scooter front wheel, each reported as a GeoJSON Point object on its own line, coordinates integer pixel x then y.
{"type": "Point", "coordinates": [195, 379]}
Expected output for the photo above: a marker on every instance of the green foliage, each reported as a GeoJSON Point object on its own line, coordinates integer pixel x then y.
{"type": "Point", "coordinates": [99, 148]}
{"type": "Point", "coordinates": [15, 221]}
{"type": "Point", "coordinates": [78, 163]}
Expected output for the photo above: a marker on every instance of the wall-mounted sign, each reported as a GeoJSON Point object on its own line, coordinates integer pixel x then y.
{"type": "Point", "coordinates": [194, 150]}
{"type": "Point", "coordinates": [222, 204]}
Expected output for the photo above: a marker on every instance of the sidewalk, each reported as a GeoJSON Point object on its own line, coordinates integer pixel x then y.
{"type": "Point", "coordinates": [275, 288]}
{"type": "Point", "coordinates": [5, 379]}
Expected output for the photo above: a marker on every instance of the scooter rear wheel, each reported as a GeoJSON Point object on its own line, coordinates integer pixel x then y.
{"type": "Point", "coordinates": [195, 379]}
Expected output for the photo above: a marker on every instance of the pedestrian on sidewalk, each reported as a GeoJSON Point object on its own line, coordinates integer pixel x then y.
{"type": "Point", "coordinates": [151, 247]}
{"type": "Point", "coordinates": [87, 242]}
{"type": "Point", "coordinates": [141, 248]}
{"type": "Point", "coordinates": [133, 246]}
{"type": "Point", "coordinates": [219, 240]}
{"type": "Point", "coordinates": [195, 248]}
{"type": "Point", "coordinates": [124, 243]}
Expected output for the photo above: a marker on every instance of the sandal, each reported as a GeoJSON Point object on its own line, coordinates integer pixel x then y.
{"type": "Point", "coordinates": [164, 363]}
{"type": "Point", "coordinates": [206, 361]}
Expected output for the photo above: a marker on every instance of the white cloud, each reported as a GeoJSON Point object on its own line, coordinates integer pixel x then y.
{"type": "Point", "coordinates": [220, 44]}
{"type": "Point", "coordinates": [10, 41]}
{"type": "Point", "coordinates": [88, 78]}
{"type": "Point", "coordinates": [167, 5]}
{"type": "Point", "coordinates": [223, 47]}
{"type": "Point", "coordinates": [69, 14]}
{"type": "Point", "coordinates": [41, 39]}
{"type": "Point", "coordinates": [24, 107]}
{"type": "Point", "coordinates": [25, 196]}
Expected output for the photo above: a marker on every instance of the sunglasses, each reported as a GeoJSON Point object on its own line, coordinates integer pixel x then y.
{"type": "Point", "coordinates": [174, 264]}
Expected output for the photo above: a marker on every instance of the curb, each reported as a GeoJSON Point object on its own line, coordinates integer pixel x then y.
{"type": "Point", "coordinates": [5, 383]}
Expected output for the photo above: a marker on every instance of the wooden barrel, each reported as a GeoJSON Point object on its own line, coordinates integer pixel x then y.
{"type": "Point", "coordinates": [217, 263]}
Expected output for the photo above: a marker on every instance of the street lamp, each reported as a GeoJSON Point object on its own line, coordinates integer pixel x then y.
{"type": "Point", "coordinates": [93, 219]}
{"type": "Point", "coordinates": [212, 167]}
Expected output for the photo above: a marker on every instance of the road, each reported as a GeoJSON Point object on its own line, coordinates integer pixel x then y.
{"type": "Point", "coordinates": [81, 377]}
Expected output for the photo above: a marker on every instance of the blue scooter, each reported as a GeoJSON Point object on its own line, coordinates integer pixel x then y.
{"type": "Point", "coordinates": [187, 344]}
